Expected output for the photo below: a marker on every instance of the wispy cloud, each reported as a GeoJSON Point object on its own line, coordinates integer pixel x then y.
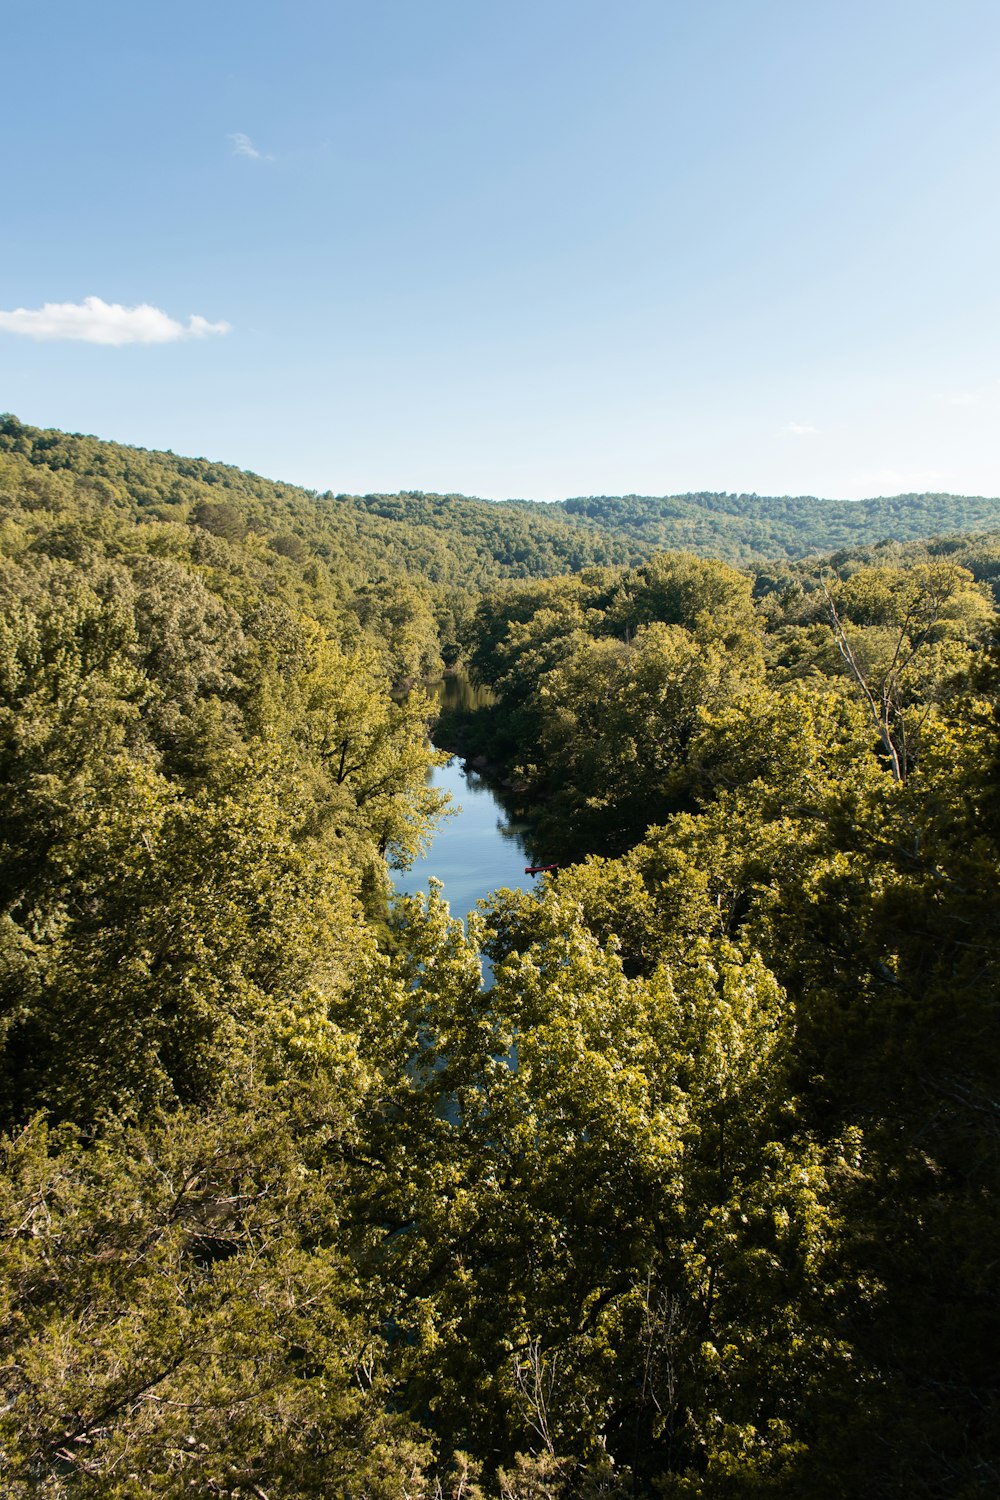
{"type": "Point", "coordinates": [244, 146]}
{"type": "Point", "coordinates": [94, 321]}
{"type": "Point", "coordinates": [800, 429]}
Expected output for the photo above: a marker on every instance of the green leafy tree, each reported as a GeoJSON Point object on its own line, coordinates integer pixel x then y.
{"type": "Point", "coordinates": [916, 623]}
{"type": "Point", "coordinates": [179, 1314]}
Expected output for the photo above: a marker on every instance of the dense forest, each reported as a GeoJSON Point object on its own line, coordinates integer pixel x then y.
{"type": "Point", "coordinates": [452, 540]}
{"type": "Point", "coordinates": [698, 1198]}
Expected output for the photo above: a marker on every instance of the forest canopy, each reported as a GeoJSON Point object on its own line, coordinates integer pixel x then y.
{"type": "Point", "coordinates": [696, 1196]}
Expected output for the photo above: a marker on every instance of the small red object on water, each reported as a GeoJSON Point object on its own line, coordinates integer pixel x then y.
{"type": "Point", "coordinates": [539, 869]}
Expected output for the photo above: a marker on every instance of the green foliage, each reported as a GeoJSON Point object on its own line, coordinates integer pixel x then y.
{"type": "Point", "coordinates": [914, 648]}
{"type": "Point", "coordinates": [173, 941]}
{"type": "Point", "coordinates": [696, 1199]}
{"type": "Point", "coordinates": [742, 529]}
{"type": "Point", "coordinates": [179, 1314]}
{"type": "Point", "coordinates": [602, 1224]}
{"type": "Point", "coordinates": [199, 786]}
{"type": "Point", "coordinates": [602, 683]}
{"type": "Point", "coordinates": [460, 543]}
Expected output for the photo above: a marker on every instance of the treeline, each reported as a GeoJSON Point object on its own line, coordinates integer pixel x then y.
{"type": "Point", "coordinates": [460, 544]}
{"type": "Point", "coordinates": [448, 542]}
{"type": "Point", "coordinates": [747, 529]}
{"type": "Point", "coordinates": [698, 1198]}
{"type": "Point", "coordinates": [76, 498]}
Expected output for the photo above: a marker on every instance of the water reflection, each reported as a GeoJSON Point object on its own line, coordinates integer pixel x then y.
{"type": "Point", "coordinates": [480, 848]}
{"type": "Point", "coordinates": [457, 692]}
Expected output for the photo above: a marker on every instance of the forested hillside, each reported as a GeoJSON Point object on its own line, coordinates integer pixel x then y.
{"type": "Point", "coordinates": [697, 1199]}
{"type": "Point", "coordinates": [751, 528]}
{"type": "Point", "coordinates": [458, 542]}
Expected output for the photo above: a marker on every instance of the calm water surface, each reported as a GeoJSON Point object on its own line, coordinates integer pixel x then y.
{"type": "Point", "coordinates": [474, 851]}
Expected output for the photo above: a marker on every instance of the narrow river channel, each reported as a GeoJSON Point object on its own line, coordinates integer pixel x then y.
{"type": "Point", "coordinates": [476, 850]}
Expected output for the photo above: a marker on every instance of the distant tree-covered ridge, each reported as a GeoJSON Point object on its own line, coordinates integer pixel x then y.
{"type": "Point", "coordinates": [748, 528]}
{"type": "Point", "coordinates": [461, 542]}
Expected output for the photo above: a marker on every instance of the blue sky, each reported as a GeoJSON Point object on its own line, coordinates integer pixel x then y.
{"type": "Point", "coordinates": [512, 249]}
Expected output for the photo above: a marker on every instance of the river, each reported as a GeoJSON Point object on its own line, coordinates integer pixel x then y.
{"type": "Point", "coordinates": [475, 850]}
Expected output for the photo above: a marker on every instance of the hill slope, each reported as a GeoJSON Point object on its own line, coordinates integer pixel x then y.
{"type": "Point", "coordinates": [461, 542]}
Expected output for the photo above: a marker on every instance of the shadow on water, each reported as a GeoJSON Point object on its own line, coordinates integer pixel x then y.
{"type": "Point", "coordinates": [456, 693]}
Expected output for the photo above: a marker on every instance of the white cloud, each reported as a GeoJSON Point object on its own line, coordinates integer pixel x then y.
{"type": "Point", "coordinates": [800, 429]}
{"type": "Point", "coordinates": [94, 321]}
{"type": "Point", "coordinates": [199, 327]}
{"type": "Point", "coordinates": [244, 146]}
